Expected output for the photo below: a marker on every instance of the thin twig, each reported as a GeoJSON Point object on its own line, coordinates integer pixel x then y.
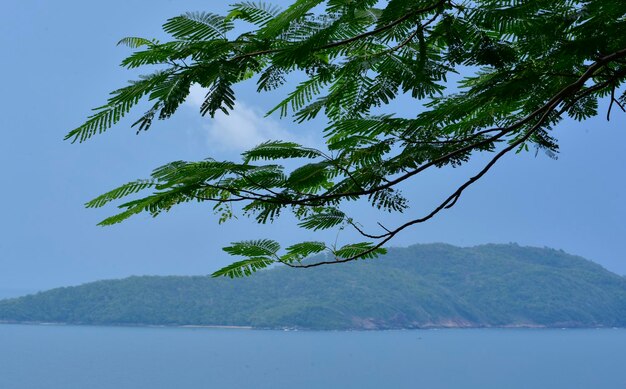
{"type": "Point", "coordinates": [608, 112]}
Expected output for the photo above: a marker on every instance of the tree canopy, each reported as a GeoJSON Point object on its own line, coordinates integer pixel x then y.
{"type": "Point", "coordinates": [523, 67]}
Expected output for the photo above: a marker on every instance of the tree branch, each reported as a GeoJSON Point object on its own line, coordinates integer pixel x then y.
{"type": "Point", "coordinates": [375, 31]}
{"type": "Point", "coordinates": [547, 110]}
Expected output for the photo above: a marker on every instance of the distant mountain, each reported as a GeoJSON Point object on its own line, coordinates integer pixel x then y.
{"type": "Point", "coordinates": [421, 286]}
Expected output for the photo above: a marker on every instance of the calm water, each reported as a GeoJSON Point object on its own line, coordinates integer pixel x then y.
{"type": "Point", "coordinates": [66, 357]}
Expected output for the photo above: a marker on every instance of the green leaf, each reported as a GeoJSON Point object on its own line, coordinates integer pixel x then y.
{"type": "Point", "coordinates": [219, 97]}
{"type": "Point", "coordinates": [243, 268]}
{"type": "Point", "coordinates": [323, 219]}
{"type": "Point", "coordinates": [310, 178]}
{"type": "Point", "coordinates": [118, 105]}
{"type": "Point", "coordinates": [300, 251]}
{"type": "Point", "coordinates": [361, 250]}
{"type": "Point", "coordinates": [135, 42]}
{"type": "Point", "coordinates": [120, 217]}
{"type": "Point", "coordinates": [279, 150]}
{"type": "Point", "coordinates": [118, 193]}
{"type": "Point", "coordinates": [198, 26]}
{"type": "Point", "coordinates": [283, 20]}
{"type": "Point", "coordinates": [253, 248]}
{"type": "Point", "coordinates": [256, 13]}
{"type": "Point", "coordinates": [297, 99]}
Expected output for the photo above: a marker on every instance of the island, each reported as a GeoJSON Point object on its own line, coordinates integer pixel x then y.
{"type": "Point", "coordinates": [421, 286]}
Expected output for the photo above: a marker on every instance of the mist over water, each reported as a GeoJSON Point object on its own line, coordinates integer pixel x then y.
{"type": "Point", "coordinates": [65, 357]}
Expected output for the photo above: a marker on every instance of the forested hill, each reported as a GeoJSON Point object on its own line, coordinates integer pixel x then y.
{"type": "Point", "coordinates": [420, 286]}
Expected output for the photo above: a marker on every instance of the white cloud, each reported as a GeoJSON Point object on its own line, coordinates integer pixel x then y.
{"type": "Point", "coordinates": [196, 95]}
{"type": "Point", "coordinates": [243, 128]}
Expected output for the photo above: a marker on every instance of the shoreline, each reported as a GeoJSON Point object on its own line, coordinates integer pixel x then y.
{"type": "Point", "coordinates": [296, 329]}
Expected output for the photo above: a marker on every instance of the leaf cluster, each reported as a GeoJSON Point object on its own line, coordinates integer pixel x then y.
{"type": "Point", "coordinates": [522, 68]}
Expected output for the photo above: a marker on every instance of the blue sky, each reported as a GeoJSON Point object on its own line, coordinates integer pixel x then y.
{"type": "Point", "coordinates": [60, 60]}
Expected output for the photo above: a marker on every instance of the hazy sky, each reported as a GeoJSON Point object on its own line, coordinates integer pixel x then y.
{"type": "Point", "coordinates": [60, 60]}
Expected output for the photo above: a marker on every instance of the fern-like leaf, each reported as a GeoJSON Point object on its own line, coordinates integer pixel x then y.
{"type": "Point", "coordinates": [135, 42]}
{"type": "Point", "coordinates": [243, 268]}
{"type": "Point", "coordinates": [361, 250]}
{"type": "Point", "coordinates": [120, 192]}
{"type": "Point", "coordinates": [271, 150]}
{"type": "Point", "coordinates": [300, 251]}
{"type": "Point", "coordinates": [323, 219]}
{"type": "Point", "coordinates": [253, 248]}
{"type": "Point", "coordinates": [119, 105]}
{"type": "Point", "coordinates": [256, 13]}
{"type": "Point", "coordinates": [198, 26]}
{"type": "Point", "coordinates": [283, 20]}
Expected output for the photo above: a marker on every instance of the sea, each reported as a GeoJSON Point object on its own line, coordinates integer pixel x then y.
{"type": "Point", "coordinates": [91, 357]}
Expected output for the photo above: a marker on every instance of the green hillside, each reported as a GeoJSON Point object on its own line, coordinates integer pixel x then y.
{"type": "Point", "coordinates": [421, 286]}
